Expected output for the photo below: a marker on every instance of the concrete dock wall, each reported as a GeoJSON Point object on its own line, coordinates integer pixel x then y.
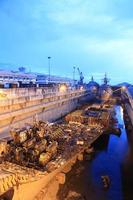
{"type": "Point", "coordinates": [18, 107]}
{"type": "Point", "coordinates": [129, 112]}
{"type": "Point", "coordinates": [128, 101]}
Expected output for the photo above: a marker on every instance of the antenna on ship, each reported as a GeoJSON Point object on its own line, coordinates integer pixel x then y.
{"type": "Point", "coordinates": [92, 78]}
{"type": "Point", "coordinates": [106, 79]}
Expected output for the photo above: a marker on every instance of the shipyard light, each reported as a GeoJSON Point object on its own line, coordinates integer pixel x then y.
{"type": "Point", "coordinates": [94, 88]}
{"type": "Point", "coordinates": [81, 88]}
{"type": "Point", "coordinates": [123, 88]}
{"type": "Point", "coordinates": [2, 95]}
{"type": "Point", "coordinates": [62, 88]}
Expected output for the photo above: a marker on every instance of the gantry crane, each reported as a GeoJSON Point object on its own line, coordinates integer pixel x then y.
{"type": "Point", "coordinates": [80, 76]}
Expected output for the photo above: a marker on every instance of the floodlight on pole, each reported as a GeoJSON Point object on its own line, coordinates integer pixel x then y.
{"type": "Point", "coordinates": [74, 75]}
{"type": "Point", "coordinates": [49, 58]}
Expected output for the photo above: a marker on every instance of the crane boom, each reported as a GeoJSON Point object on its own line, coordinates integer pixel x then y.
{"type": "Point", "coordinates": [80, 76]}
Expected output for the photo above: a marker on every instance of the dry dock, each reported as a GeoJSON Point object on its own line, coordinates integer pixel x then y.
{"type": "Point", "coordinates": [27, 166]}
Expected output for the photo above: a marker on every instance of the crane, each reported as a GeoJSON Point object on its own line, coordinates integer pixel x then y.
{"type": "Point", "coordinates": [80, 76]}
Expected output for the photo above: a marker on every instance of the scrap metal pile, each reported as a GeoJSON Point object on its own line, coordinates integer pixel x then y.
{"type": "Point", "coordinates": [93, 116]}
{"type": "Point", "coordinates": [45, 146]}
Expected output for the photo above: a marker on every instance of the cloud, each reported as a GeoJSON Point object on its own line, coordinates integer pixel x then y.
{"type": "Point", "coordinates": [95, 35]}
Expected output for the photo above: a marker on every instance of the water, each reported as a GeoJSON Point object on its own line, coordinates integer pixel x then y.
{"type": "Point", "coordinates": [111, 162]}
{"type": "Point", "coordinates": [116, 161]}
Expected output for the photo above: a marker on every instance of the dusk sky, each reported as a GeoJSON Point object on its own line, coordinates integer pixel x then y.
{"type": "Point", "coordinates": [94, 35]}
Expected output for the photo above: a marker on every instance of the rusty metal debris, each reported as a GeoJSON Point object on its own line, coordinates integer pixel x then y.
{"type": "Point", "coordinates": [37, 146]}
{"type": "Point", "coordinates": [102, 115]}
{"type": "Point", "coordinates": [106, 181]}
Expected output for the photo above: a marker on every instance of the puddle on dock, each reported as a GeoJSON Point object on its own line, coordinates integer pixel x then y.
{"type": "Point", "coordinates": [114, 159]}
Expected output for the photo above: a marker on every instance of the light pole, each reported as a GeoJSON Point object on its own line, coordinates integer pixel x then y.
{"type": "Point", "coordinates": [49, 68]}
{"type": "Point", "coordinates": [74, 75]}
